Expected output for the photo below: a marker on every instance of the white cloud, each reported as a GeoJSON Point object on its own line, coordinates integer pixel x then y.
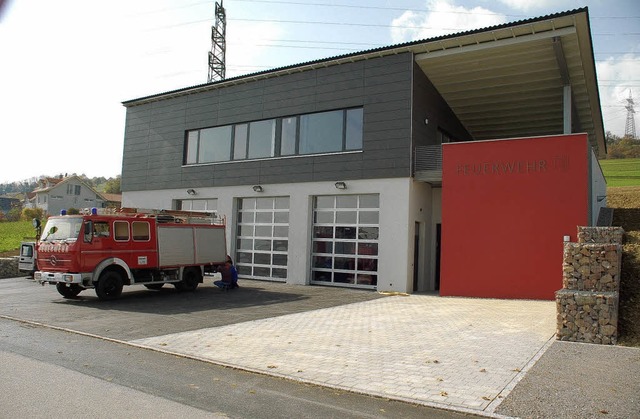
{"type": "Point", "coordinates": [527, 5]}
{"type": "Point", "coordinates": [443, 18]}
{"type": "Point", "coordinates": [245, 53]}
{"type": "Point", "coordinates": [618, 77]}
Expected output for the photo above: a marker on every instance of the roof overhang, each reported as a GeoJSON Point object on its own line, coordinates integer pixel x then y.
{"type": "Point", "coordinates": [530, 79]}
{"type": "Point", "coordinates": [519, 79]}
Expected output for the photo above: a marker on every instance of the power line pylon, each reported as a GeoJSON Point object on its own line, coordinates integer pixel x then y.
{"type": "Point", "coordinates": [217, 54]}
{"type": "Point", "coordinates": [630, 126]}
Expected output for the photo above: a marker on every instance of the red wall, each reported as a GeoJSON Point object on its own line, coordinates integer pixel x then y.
{"type": "Point", "coordinates": [506, 205]}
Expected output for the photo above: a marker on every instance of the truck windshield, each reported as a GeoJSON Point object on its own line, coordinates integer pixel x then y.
{"type": "Point", "coordinates": [62, 229]}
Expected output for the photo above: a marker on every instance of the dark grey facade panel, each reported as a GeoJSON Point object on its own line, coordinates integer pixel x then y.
{"type": "Point", "coordinates": [300, 80]}
{"type": "Point", "coordinates": [202, 121]}
{"type": "Point", "coordinates": [286, 107]}
{"type": "Point", "coordinates": [198, 105]}
{"type": "Point", "coordinates": [382, 86]}
{"type": "Point", "coordinates": [286, 167]}
{"type": "Point", "coordinates": [167, 107]}
{"type": "Point", "coordinates": [333, 101]}
{"type": "Point", "coordinates": [429, 105]}
{"type": "Point", "coordinates": [202, 174]}
{"type": "Point", "coordinates": [236, 174]}
{"type": "Point", "coordinates": [382, 172]}
{"type": "Point", "coordinates": [139, 156]}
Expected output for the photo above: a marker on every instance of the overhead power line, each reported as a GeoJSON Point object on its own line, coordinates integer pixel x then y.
{"type": "Point", "coordinates": [404, 9]}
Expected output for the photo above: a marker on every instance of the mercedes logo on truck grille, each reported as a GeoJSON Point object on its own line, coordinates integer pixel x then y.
{"type": "Point", "coordinates": [53, 259]}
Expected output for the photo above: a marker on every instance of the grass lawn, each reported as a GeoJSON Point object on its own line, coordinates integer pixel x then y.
{"type": "Point", "coordinates": [621, 172]}
{"type": "Point", "coordinates": [13, 233]}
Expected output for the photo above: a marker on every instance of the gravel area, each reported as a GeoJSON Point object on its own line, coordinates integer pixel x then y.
{"type": "Point", "coordinates": [578, 380]}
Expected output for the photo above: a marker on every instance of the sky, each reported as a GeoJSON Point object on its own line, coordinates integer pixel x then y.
{"type": "Point", "coordinates": [66, 66]}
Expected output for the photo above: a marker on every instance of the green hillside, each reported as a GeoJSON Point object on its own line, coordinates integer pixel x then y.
{"type": "Point", "coordinates": [621, 172]}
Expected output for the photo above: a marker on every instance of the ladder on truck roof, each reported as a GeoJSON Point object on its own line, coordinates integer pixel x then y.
{"type": "Point", "coordinates": [178, 216]}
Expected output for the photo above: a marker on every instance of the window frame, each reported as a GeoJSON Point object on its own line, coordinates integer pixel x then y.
{"type": "Point", "coordinates": [240, 142]}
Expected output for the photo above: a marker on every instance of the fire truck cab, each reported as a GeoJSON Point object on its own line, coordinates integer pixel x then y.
{"type": "Point", "coordinates": [150, 248]}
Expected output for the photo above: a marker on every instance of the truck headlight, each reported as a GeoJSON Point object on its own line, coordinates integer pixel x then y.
{"type": "Point", "coordinates": [67, 278]}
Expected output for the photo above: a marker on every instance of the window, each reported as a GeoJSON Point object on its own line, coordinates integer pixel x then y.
{"type": "Point", "coordinates": [322, 132]}
{"type": "Point", "coordinates": [73, 189]}
{"type": "Point", "coordinates": [197, 204]}
{"type": "Point", "coordinates": [354, 129]}
{"type": "Point", "coordinates": [101, 229]}
{"type": "Point", "coordinates": [288, 137]}
{"type": "Point", "coordinates": [192, 147]}
{"type": "Point", "coordinates": [121, 229]}
{"type": "Point", "coordinates": [140, 230]}
{"type": "Point", "coordinates": [215, 144]}
{"type": "Point", "coordinates": [240, 142]}
{"type": "Point", "coordinates": [262, 137]}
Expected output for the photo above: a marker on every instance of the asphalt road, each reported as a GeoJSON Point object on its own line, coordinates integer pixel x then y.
{"type": "Point", "coordinates": [49, 372]}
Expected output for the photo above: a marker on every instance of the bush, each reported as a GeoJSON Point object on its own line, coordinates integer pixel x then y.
{"type": "Point", "coordinates": [29, 214]}
{"type": "Point", "coordinates": [73, 211]}
{"type": "Point", "coordinates": [13, 214]}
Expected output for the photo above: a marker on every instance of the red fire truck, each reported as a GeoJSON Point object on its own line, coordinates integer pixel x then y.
{"type": "Point", "coordinates": [131, 247]}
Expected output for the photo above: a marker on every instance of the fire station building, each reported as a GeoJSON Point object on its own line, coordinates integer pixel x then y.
{"type": "Point", "coordinates": [456, 164]}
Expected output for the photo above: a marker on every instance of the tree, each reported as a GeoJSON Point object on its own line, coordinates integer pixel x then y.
{"type": "Point", "coordinates": [113, 185]}
{"type": "Point", "coordinates": [623, 148]}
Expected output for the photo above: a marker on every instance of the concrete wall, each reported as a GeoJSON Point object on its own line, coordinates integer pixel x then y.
{"type": "Point", "coordinates": [597, 189]}
{"type": "Point", "coordinates": [9, 267]}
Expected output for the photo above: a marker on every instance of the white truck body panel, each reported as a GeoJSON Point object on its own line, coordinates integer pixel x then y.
{"type": "Point", "coordinates": [190, 245]}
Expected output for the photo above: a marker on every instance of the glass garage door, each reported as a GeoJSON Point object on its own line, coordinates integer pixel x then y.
{"type": "Point", "coordinates": [345, 240]}
{"type": "Point", "coordinates": [263, 238]}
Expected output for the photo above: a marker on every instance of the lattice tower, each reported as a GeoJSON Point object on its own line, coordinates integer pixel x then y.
{"type": "Point", "coordinates": [217, 54]}
{"type": "Point", "coordinates": [630, 126]}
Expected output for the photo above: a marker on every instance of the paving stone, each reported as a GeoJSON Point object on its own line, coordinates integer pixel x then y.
{"type": "Point", "coordinates": [453, 351]}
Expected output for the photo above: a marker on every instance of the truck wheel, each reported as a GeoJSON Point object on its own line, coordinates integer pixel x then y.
{"type": "Point", "coordinates": [109, 286]}
{"type": "Point", "coordinates": [70, 291]}
{"type": "Point", "coordinates": [191, 277]}
{"type": "Point", "coordinates": [154, 286]}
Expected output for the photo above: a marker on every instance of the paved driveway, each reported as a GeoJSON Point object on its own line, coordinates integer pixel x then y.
{"type": "Point", "coordinates": [459, 353]}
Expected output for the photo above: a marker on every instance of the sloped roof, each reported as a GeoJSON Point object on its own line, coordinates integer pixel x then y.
{"type": "Point", "coordinates": [59, 182]}
{"type": "Point", "coordinates": [111, 197]}
{"type": "Point", "coordinates": [503, 81]}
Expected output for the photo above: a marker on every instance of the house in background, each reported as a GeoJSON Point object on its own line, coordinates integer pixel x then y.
{"type": "Point", "coordinates": [331, 172]}
{"type": "Point", "coordinates": [56, 194]}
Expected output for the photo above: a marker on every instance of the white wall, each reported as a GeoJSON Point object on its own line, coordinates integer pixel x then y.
{"type": "Point", "coordinates": [86, 199]}
{"type": "Point", "coordinates": [598, 188]}
{"type": "Point", "coordinates": [395, 272]}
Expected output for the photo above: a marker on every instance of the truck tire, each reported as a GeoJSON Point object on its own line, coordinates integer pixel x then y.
{"type": "Point", "coordinates": [109, 286]}
{"type": "Point", "coordinates": [191, 277]}
{"type": "Point", "coordinates": [70, 291]}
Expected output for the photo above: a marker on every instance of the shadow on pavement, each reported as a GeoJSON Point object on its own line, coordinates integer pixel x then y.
{"type": "Point", "coordinates": [169, 301]}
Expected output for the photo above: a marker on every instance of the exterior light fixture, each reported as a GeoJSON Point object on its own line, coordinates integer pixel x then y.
{"type": "Point", "coordinates": [192, 192]}
{"type": "Point", "coordinates": [340, 185]}
{"type": "Point", "coordinates": [257, 188]}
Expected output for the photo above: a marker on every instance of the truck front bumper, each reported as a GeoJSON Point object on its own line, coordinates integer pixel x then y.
{"type": "Point", "coordinates": [56, 277]}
